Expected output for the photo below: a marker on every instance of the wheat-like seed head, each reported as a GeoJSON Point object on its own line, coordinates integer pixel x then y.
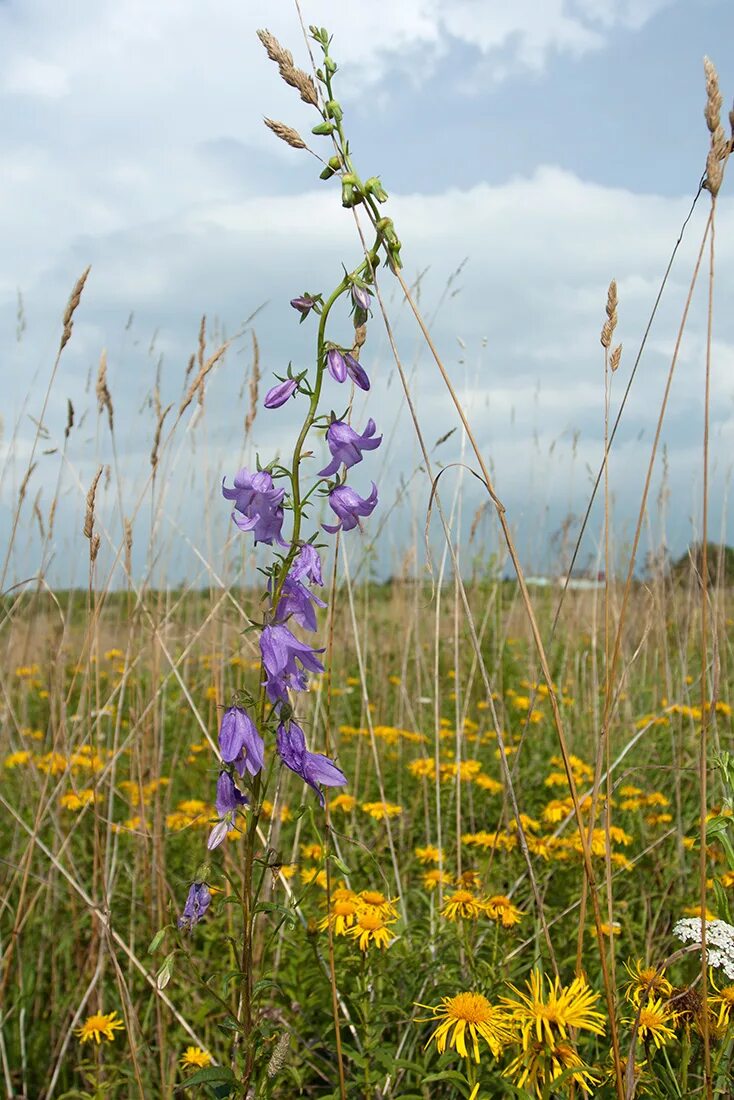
{"type": "Point", "coordinates": [104, 398]}
{"type": "Point", "coordinates": [89, 516]}
{"type": "Point", "coordinates": [254, 386]}
{"type": "Point", "coordinates": [611, 322]}
{"type": "Point", "coordinates": [74, 300]}
{"type": "Point", "coordinates": [279, 1055]}
{"type": "Point", "coordinates": [293, 76]}
{"type": "Point", "coordinates": [719, 143]}
{"type": "Point", "coordinates": [274, 50]}
{"type": "Point", "coordinates": [615, 358]}
{"type": "Point", "coordinates": [285, 133]}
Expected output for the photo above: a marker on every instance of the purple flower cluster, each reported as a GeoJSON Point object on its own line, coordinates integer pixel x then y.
{"type": "Point", "coordinates": [280, 649]}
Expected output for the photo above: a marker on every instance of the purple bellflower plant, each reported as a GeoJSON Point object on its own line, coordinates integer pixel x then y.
{"type": "Point", "coordinates": [261, 501]}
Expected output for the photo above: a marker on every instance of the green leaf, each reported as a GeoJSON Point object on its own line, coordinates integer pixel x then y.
{"type": "Point", "coordinates": [157, 940]}
{"type": "Point", "coordinates": [211, 1075]}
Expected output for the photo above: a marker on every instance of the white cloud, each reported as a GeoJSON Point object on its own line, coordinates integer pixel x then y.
{"type": "Point", "coordinates": [27, 76]}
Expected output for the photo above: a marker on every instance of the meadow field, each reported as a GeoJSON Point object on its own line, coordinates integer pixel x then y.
{"type": "Point", "coordinates": [503, 867]}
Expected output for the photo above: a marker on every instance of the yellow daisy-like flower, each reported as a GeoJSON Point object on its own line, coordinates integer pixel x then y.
{"type": "Point", "coordinates": [538, 1065]}
{"type": "Point", "coordinates": [432, 878]}
{"type": "Point", "coordinates": [310, 875]}
{"type": "Point", "coordinates": [468, 1015]}
{"type": "Point", "coordinates": [379, 810]}
{"type": "Point", "coordinates": [343, 802]}
{"type": "Point", "coordinates": [75, 800]}
{"type": "Point", "coordinates": [371, 927]}
{"type": "Point", "coordinates": [462, 905]}
{"type": "Point", "coordinates": [722, 1006]}
{"type": "Point", "coordinates": [647, 981]}
{"type": "Point", "coordinates": [469, 880]}
{"type": "Point", "coordinates": [312, 851]}
{"type": "Point", "coordinates": [547, 1017]}
{"type": "Point", "coordinates": [429, 854]}
{"type": "Point", "coordinates": [195, 1058]}
{"type": "Point", "coordinates": [341, 916]}
{"type": "Point", "coordinates": [99, 1027]}
{"type": "Point", "coordinates": [655, 1022]}
{"type": "Point", "coordinates": [487, 783]}
{"type": "Point", "coordinates": [377, 902]}
{"type": "Point", "coordinates": [499, 908]}
{"type": "Point", "coordinates": [17, 759]}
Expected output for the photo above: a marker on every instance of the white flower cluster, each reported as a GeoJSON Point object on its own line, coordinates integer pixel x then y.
{"type": "Point", "coordinates": [719, 941]}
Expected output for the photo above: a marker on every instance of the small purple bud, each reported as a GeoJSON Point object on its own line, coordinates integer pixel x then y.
{"type": "Point", "coordinates": [218, 834]}
{"type": "Point", "coordinates": [361, 297]}
{"type": "Point", "coordinates": [356, 372]}
{"type": "Point", "coordinates": [304, 304]}
{"type": "Point", "coordinates": [336, 363]}
{"type": "Point", "coordinates": [279, 394]}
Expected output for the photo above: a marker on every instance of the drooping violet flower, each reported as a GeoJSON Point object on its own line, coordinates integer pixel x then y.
{"type": "Point", "coordinates": [349, 506]}
{"type": "Point", "coordinates": [296, 601]}
{"type": "Point", "coordinates": [229, 797]}
{"type": "Point", "coordinates": [313, 767]}
{"type": "Point", "coordinates": [304, 304]}
{"type": "Point", "coordinates": [346, 445]}
{"type": "Point", "coordinates": [279, 394]}
{"type": "Point", "coordinates": [361, 297]}
{"type": "Point", "coordinates": [239, 742]}
{"type": "Point", "coordinates": [197, 903]}
{"type": "Point", "coordinates": [258, 505]}
{"type": "Point", "coordinates": [280, 649]}
{"type": "Point", "coordinates": [356, 371]}
{"type": "Point", "coordinates": [337, 365]}
{"type": "Point", "coordinates": [307, 565]}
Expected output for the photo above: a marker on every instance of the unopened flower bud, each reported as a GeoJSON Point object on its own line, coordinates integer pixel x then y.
{"type": "Point", "coordinates": [323, 128]}
{"type": "Point", "coordinates": [374, 187]}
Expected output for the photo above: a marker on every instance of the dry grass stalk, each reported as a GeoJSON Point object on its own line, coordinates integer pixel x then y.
{"type": "Point", "coordinates": [254, 386]}
{"type": "Point", "coordinates": [37, 514]}
{"type": "Point", "coordinates": [69, 418]}
{"type": "Point", "coordinates": [162, 414]}
{"type": "Point", "coordinates": [24, 482]}
{"type": "Point", "coordinates": [285, 133]}
{"type": "Point", "coordinates": [719, 143]}
{"type": "Point", "coordinates": [203, 371]}
{"type": "Point", "coordinates": [128, 547]}
{"type": "Point", "coordinates": [74, 300]}
{"type": "Point", "coordinates": [104, 398]}
{"type": "Point", "coordinates": [89, 516]}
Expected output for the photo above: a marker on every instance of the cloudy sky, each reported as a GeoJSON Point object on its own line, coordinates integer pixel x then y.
{"type": "Point", "coordinates": [532, 151]}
